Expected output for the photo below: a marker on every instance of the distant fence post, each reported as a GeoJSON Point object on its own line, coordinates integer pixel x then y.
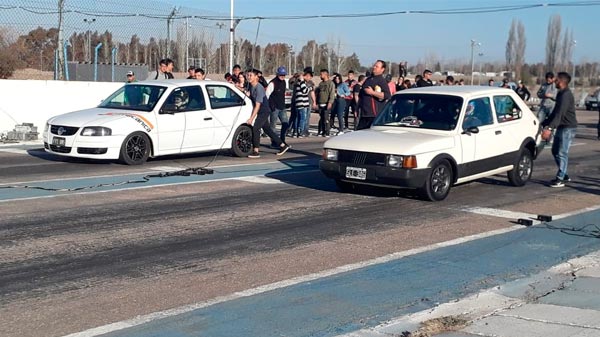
{"type": "Point", "coordinates": [112, 63]}
{"type": "Point", "coordinates": [96, 61]}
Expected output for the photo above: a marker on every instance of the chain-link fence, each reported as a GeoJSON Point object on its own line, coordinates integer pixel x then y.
{"type": "Point", "coordinates": [133, 33]}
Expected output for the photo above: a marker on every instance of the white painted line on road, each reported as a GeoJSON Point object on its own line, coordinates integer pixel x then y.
{"type": "Point", "coordinates": [15, 151]}
{"type": "Point", "coordinates": [168, 168]}
{"type": "Point", "coordinates": [128, 173]}
{"type": "Point", "coordinates": [143, 187]}
{"type": "Point", "coordinates": [306, 278]}
{"type": "Point", "coordinates": [498, 213]}
{"type": "Point", "coordinates": [260, 180]}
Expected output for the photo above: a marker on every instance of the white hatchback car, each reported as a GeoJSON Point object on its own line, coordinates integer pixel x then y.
{"type": "Point", "coordinates": [155, 118]}
{"type": "Point", "coordinates": [432, 138]}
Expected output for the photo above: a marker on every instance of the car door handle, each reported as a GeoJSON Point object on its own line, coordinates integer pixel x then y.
{"type": "Point", "coordinates": [208, 119]}
{"type": "Point", "coordinates": [498, 132]}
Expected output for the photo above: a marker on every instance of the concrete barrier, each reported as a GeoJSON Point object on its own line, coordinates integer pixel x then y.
{"type": "Point", "coordinates": [30, 101]}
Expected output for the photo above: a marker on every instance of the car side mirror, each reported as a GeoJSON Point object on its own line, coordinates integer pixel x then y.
{"type": "Point", "coordinates": [168, 109]}
{"type": "Point", "coordinates": [471, 130]}
{"type": "Point", "coordinates": [518, 113]}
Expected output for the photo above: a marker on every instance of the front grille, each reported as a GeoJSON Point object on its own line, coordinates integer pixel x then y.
{"type": "Point", "coordinates": [46, 146]}
{"type": "Point", "coordinates": [67, 130]}
{"type": "Point", "coordinates": [361, 158]}
{"type": "Point", "coordinates": [92, 150]}
{"type": "Point", "coordinates": [60, 149]}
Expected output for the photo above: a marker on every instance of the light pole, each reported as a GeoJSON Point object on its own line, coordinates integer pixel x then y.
{"type": "Point", "coordinates": [473, 45]}
{"type": "Point", "coordinates": [187, 44]}
{"type": "Point", "coordinates": [89, 49]}
{"type": "Point", "coordinates": [220, 25]}
{"type": "Point", "coordinates": [480, 67]}
{"type": "Point", "coordinates": [290, 58]}
{"type": "Point", "coordinates": [573, 43]}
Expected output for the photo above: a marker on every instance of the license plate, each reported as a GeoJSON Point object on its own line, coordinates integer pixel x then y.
{"type": "Point", "coordinates": [356, 173]}
{"type": "Point", "coordinates": [58, 141]}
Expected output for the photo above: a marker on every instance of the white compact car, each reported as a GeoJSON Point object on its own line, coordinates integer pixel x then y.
{"type": "Point", "coordinates": [432, 138]}
{"type": "Point", "coordinates": [155, 118]}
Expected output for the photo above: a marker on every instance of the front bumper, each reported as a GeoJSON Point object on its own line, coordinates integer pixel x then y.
{"type": "Point", "coordinates": [377, 175]}
{"type": "Point", "coordinates": [77, 146]}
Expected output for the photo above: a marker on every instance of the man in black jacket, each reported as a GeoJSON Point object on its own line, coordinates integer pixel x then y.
{"type": "Point", "coordinates": [373, 95]}
{"type": "Point", "coordinates": [564, 121]}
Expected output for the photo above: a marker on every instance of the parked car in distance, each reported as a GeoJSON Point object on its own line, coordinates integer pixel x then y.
{"type": "Point", "coordinates": [591, 100]}
{"type": "Point", "coordinates": [430, 139]}
{"type": "Point", "coordinates": [155, 118]}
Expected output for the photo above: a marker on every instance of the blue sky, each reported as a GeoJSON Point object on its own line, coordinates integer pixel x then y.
{"type": "Point", "coordinates": [411, 36]}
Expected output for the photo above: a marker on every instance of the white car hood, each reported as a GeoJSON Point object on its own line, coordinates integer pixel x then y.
{"type": "Point", "coordinates": [94, 117]}
{"type": "Point", "coordinates": [403, 141]}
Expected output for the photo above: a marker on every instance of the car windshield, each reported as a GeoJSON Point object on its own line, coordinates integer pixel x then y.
{"type": "Point", "coordinates": [425, 111]}
{"type": "Point", "coordinates": [134, 97]}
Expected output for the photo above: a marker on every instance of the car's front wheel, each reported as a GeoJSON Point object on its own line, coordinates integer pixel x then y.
{"type": "Point", "coordinates": [241, 144]}
{"type": "Point", "coordinates": [438, 183]}
{"type": "Point", "coordinates": [522, 170]}
{"type": "Point", "coordinates": [135, 149]}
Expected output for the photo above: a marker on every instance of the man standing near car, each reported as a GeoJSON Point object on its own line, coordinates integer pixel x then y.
{"type": "Point", "coordinates": [547, 93]}
{"type": "Point", "coordinates": [425, 81]}
{"type": "Point", "coordinates": [276, 94]}
{"type": "Point", "coordinates": [373, 95]}
{"type": "Point", "coordinates": [325, 98]}
{"type": "Point", "coordinates": [260, 116]}
{"type": "Point", "coordinates": [563, 122]}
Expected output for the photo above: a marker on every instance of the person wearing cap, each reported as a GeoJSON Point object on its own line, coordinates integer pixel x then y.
{"type": "Point", "coordinates": [522, 91]}
{"type": "Point", "coordinates": [131, 77]}
{"type": "Point", "coordinates": [276, 94]}
{"type": "Point", "coordinates": [425, 81]}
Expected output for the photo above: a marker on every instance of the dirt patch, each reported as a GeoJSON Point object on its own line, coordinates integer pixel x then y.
{"type": "Point", "coordinates": [438, 325]}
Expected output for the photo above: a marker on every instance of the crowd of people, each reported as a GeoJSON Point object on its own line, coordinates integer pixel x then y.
{"type": "Point", "coordinates": [363, 97]}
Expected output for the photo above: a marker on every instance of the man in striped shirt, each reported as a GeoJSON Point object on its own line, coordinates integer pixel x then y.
{"type": "Point", "coordinates": [301, 92]}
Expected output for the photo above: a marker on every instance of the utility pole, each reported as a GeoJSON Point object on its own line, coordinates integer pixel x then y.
{"type": "Point", "coordinates": [169, 23]}
{"type": "Point", "coordinates": [480, 68]}
{"type": "Point", "coordinates": [473, 45]}
{"type": "Point", "coordinates": [88, 55]}
{"type": "Point", "coordinates": [60, 60]}
{"type": "Point", "coordinates": [231, 32]}
{"type": "Point", "coordinates": [573, 43]}
{"type": "Point", "coordinates": [187, 44]}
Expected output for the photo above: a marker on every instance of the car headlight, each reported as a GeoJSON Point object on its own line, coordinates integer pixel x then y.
{"type": "Point", "coordinates": [394, 160]}
{"type": "Point", "coordinates": [330, 154]}
{"type": "Point", "coordinates": [401, 161]}
{"type": "Point", "coordinates": [96, 131]}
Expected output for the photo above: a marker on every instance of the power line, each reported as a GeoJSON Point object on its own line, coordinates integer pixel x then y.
{"type": "Point", "coordinates": [455, 11]}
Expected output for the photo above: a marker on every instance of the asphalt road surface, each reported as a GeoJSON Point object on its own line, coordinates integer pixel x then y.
{"type": "Point", "coordinates": [77, 259]}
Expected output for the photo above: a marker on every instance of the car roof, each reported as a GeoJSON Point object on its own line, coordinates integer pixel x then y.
{"type": "Point", "coordinates": [456, 90]}
{"type": "Point", "coordinates": [179, 82]}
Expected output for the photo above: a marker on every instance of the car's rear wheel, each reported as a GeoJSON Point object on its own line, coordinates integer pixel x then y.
{"type": "Point", "coordinates": [135, 149]}
{"type": "Point", "coordinates": [521, 172]}
{"type": "Point", "coordinates": [241, 144]}
{"type": "Point", "coordinates": [438, 183]}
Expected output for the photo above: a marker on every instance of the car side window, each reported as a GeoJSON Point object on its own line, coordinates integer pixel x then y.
{"type": "Point", "coordinates": [221, 96]}
{"type": "Point", "coordinates": [478, 113]}
{"type": "Point", "coordinates": [506, 109]}
{"type": "Point", "coordinates": [196, 99]}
